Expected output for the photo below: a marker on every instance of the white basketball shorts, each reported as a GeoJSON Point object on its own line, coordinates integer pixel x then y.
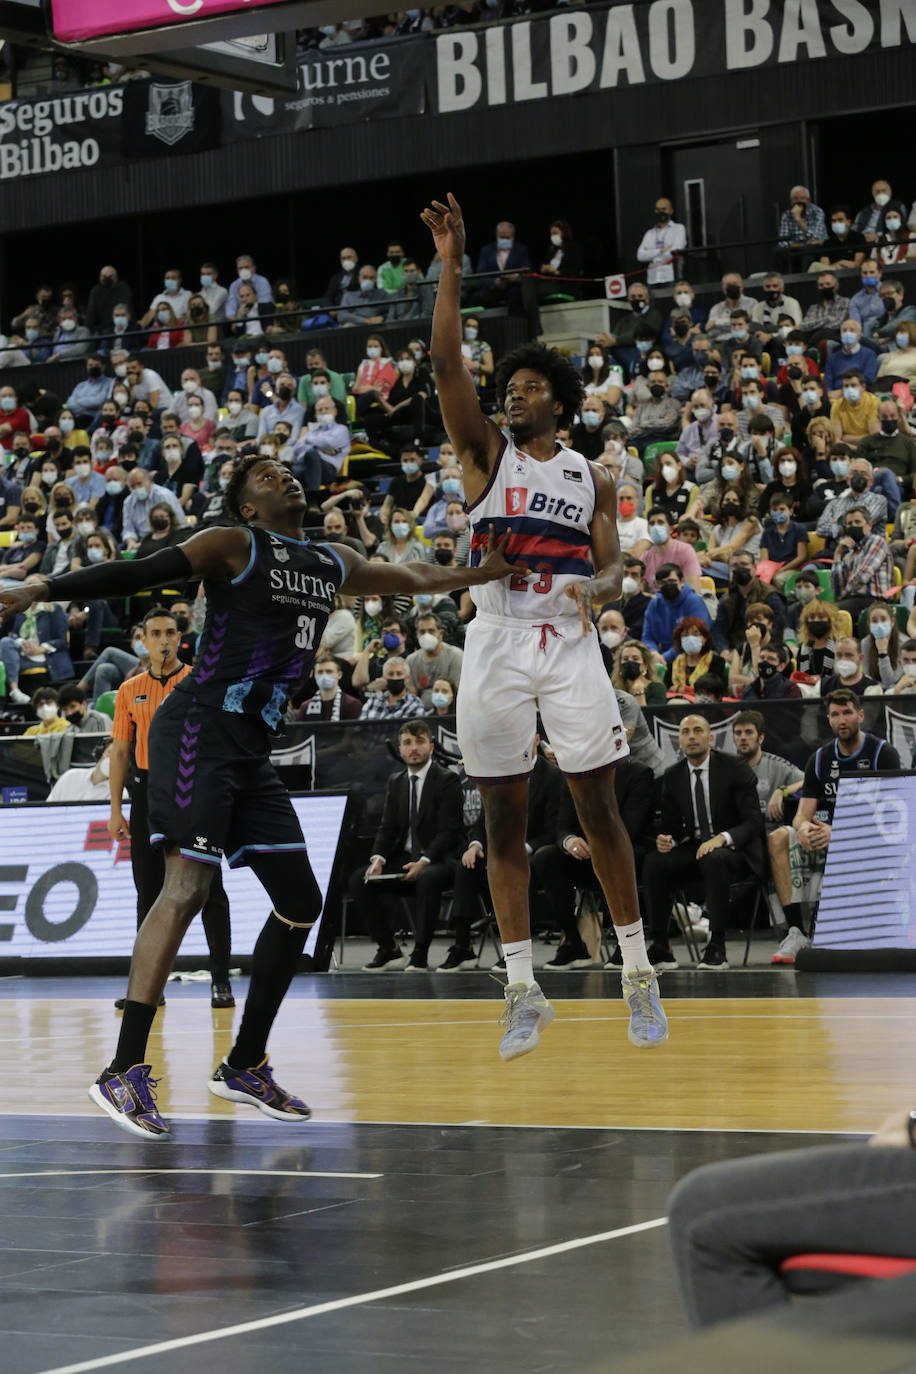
{"type": "Point", "coordinates": [514, 669]}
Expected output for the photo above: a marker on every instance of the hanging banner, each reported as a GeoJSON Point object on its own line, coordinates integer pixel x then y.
{"type": "Point", "coordinates": [163, 117]}
{"type": "Point", "coordinates": [337, 87]}
{"type": "Point", "coordinates": [64, 134]}
{"type": "Point", "coordinates": [634, 45]}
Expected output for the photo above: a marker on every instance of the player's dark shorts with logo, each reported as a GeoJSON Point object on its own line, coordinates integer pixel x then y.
{"type": "Point", "coordinates": [212, 787]}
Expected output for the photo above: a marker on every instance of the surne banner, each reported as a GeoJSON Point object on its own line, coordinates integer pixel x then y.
{"type": "Point", "coordinates": [589, 50]}
{"type": "Point", "coordinates": [78, 21]}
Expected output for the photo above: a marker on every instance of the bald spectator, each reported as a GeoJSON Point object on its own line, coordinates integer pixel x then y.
{"type": "Point", "coordinates": [108, 292]}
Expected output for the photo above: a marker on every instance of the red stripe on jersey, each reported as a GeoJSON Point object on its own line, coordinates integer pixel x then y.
{"type": "Point", "coordinates": [520, 545]}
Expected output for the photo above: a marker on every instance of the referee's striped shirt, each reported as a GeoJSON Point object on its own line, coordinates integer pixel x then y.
{"type": "Point", "coordinates": [137, 701]}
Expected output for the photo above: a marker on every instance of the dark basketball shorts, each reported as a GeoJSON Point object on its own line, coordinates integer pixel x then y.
{"type": "Point", "coordinates": [212, 788]}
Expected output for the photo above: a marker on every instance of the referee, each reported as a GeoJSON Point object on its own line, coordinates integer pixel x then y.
{"type": "Point", "coordinates": [135, 705]}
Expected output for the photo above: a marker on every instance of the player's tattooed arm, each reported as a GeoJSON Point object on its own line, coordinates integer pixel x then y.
{"type": "Point", "coordinates": [607, 582]}
{"type": "Point", "coordinates": [476, 438]}
{"type": "Point", "coordinates": [388, 579]}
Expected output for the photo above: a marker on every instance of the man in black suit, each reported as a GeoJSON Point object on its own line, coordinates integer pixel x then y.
{"type": "Point", "coordinates": [470, 875]}
{"type": "Point", "coordinates": [712, 836]}
{"type": "Point", "coordinates": [420, 831]}
{"type": "Point", "coordinates": [565, 864]}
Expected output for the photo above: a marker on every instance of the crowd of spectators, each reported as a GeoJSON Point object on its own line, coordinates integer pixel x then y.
{"type": "Point", "coordinates": [763, 456]}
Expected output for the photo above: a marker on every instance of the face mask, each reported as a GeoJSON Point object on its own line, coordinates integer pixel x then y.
{"type": "Point", "coordinates": [85, 528]}
{"type": "Point", "coordinates": [440, 700]}
{"type": "Point", "coordinates": [869, 281]}
{"type": "Point", "coordinates": [26, 537]}
{"type": "Point", "coordinates": [266, 451]}
{"type": "Point", "coordinates": [880, 629]}
{"type": "Point", "coordinates": [95, 554]}
{"type": "Point", "coordinates": [659, 534]}
{"type": "Point", "coordinates": [701, 413]}
{"type": "Point", "coordinates": [245, 273]}
{"type": "Point", "coordinates": [195, 412]}
{"type": "Point", "coordinates": [849, 337]}
{"type": "Point", "coordinates": [611, 638]}
{"type": "Point", "coordinates": [749, 371]}
{"type": "Point", "coordinates": [882, 198]}
{"type": "Point", "coordinates": [367, 284]}
{"type": "Point", "coordinates": [395, 685]}
{"type": "Point", "coordinates": [8, 403]}
{"type": "Point", "coordinates": [595, 362]}
{"type": "Point", "coordinates": [163, 316]}
{"type": "Point", "coordinates": [372, 606]}
{"type": "Point", "coordinates": [902, 340]}
{"type": "Point", "coordinates": [451, 486]}
{"type": "Point", "coordinates": [159, 522]}
{"type": "Point", "coordinates": [751, 402]}
{"type": "Point", "coordinates": [729, 472]}
{"type": "Point", "coordinates": [804, 593]}
{"type": "Point", "coordinates": [854, 533]}
{"type": "Point", "coordinates": [120, 323]}
{"type": "Point", "coordinates": [171, 284]}
{"type": "Point", "coordinates": [629, 586]}
{"type": "Point", "coordinates": [326, 682]}
{"type": "Point", "coordinates": [274, 365]}
{"type": "Point", "coordinates": [261, 358]}
{"type": "Point", "coordinates": [48, 712]}
{"type": "Point", "coordinates": [669, 472]}
{"type": "Point", "coordinates": [844, 667]}
{"type": "Point", "coordinates": [839, 466]}
{"type": "Point", "coordinates": [67, 325]}
{"type": "Point", "coordinates": [504, 244]}
{"type": "Point", "coordinates": [49, 477]}
{"type": "Point", "coordinates": [656, 365]}
{"type": "Point", "coordinates": [711, 380]}
{"type": "Point", "coordinates": [819, 628]}
{"type": "Point", "coordinates": [31, 335]}
{"type": "Point", "coordinates": [114, 488]}
{"type": "Point", "coordinates": [772, 296]}
{"type": "Point", "coordinates": [670, 591]}
{"type": "Point", "coordinates": [644, 345]}
{"type": "Point", "coordinates": [656, 392]}
{"type": "Point", "coordinates": [223, 482]}
{"type": "Point", "coordinates": [324, 419]}
{"type": "Point", "coordinates": [285, 393]}
{"type": "Point", "coordinates": [242, 363]}
{"type": "Point", "coordinates": [32, 508]}
{"type": "Point", "coordinates": [400, 529]}
{"type": "Point", "coordinates": [683, 299]}
{"type": "Point", "coordinates": [138, 648]}
{"type": "Point", "coordinates": [889, 427]}
{"type": "Point", "coordinates": [206, 279]}
{"type": "Point", "coordinates": [141, 493]}
{"type": "Point", "coordinates": [428, 643]}
{"type": "Point", "coordinates": [626, 508]}
{"type": "Point", "coordinates": [780, 517]}
{"type": "Point", "coordinates": [234, 407]}
{"type": "Point", "coordinates": [739, 333]}
{"type": "Point", "coordinates": [82, 470]}
{"type": "Point", "coordinates": [348, 264]}
{"type": "Point", "coordinates": [892, 222]}
{"type": "Point", "coordinates": [456, 523]}
{"type": "Point", "coordinates": [410, 468]}
{"type": "Point", "coordinates": [692, 644]}
{"type": "Point", "coordinates": [406, 365]}
{"type": "Point", "coordinates": [827, 293]}
{"type": "Point", "coordinates": [839, 227]}
{"type": "Point", "coordinates": [731, 510]}
{"type": "Point", "coordinates": [373, 351]}
{"type": "Point", "coordinates": [788, 467]}
{"type": "Point", "coordinates": [443, 557]}
{"type": "Point", "coordinates": [639, 305]}
{"type": "Point", "coordinates": [811, 398]}
{"type": "Point", "coordinates": [630, 670]}
{"type": "Point", "coordinates": [794, 350]}
{"type": "Point", "coordinates": [189, 387]}
{"type": "Point", "coordinates": [591, 419]}
{"type": "Point", "coordinates": [173, 455]}
{"type": "Point", "coordinates": [741, 577]}
{"type": "Point", "coordinates": [767, 670]}
{"type": "Point", "coordinates": [858, 481]}
{"type": "Point", "coordinates": [733, 292]}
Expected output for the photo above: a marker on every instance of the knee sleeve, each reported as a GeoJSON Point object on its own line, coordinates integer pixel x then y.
{"type": "Point", "coordinates": [290, 884]}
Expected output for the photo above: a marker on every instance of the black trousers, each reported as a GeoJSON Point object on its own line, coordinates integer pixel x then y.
{"type": "Point", "coordinates": [148, 864]}
{"type": "Point", "coordinates": [560, 875]}
{"type": "Point", "coordinates": [713, 876]}
{"type": "Point", "coordinates": [380, 902]}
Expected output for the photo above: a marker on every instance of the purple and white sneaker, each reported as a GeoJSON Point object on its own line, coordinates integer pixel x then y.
{"type": "Point", "coordinates": [130, 1100]}
{"type": "Point", "coordinates": [257, 1087]}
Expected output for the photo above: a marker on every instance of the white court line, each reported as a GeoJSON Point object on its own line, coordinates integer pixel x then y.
{"type": "Point", "coordinates": [266, 1173]}
{"type": "Point", "coordinates": [356, 1300]}
{"type": "Point", "coordinates": [483, 1125]}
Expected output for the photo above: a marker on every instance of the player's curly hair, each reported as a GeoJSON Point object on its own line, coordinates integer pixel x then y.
{"type": "Point", "coordinates": [235, 492]}
{"type": "Point", "coordinates": [565, 381]}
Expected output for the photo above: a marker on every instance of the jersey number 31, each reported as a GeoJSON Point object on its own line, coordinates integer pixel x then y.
{"type": "Point", "coordinates": [305, 636]}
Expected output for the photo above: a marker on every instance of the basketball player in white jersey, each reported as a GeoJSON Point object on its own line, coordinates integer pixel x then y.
{"type": "Point", "coordinates": [532, 646]}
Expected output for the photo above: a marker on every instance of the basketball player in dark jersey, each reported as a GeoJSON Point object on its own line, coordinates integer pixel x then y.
{"type": "Point", "coordinates": [212, 788]}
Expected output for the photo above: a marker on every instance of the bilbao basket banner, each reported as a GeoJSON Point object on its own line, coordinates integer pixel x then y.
{"type": "Point", "coordinates": [163, 117]}
{"type": "Point", "coordinates": [346, 86]}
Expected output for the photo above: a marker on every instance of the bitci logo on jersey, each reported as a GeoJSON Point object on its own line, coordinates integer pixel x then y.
{"type": "Point", "coordinates": [516, 500]}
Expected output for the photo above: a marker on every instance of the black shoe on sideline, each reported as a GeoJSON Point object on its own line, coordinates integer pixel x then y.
{"type": "Point", "coordinates": [221, 996]}
{"type": "Point", "coordinates": [417, 963]}
{"type": "Point", "coordinates": [714, 957]}
{"type": "Point", "coordinates": [616, 959]}
{"type": "Point", "coordinates": [662, 959]}
{"type": "Point", "coordinates": [570, 956]}
{"type": "Point", "coordinates": [385, 960]}
{"type": "Point", "coordinates": [457, 960]}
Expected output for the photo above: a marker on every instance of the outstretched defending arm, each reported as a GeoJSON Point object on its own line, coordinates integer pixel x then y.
{"type": "Point", "coordinates": [212, 553]}
{"type": "Point", "coordinates": [388, 579]}
{"type": "Point", "coordinates": [476, 439]}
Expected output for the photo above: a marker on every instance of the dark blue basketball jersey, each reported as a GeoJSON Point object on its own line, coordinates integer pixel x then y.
{"type": "Point", "coordinates": [264, 626]}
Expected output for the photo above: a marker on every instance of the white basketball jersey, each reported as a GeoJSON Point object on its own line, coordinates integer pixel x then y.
{"type": "Point", "coordinates": [548, 509]}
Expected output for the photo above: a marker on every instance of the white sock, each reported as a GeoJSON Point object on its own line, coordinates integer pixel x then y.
{"type": "Point", "coordinates": [633, 947]}
{"type": "Point", "coordinates": [519, 962]}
